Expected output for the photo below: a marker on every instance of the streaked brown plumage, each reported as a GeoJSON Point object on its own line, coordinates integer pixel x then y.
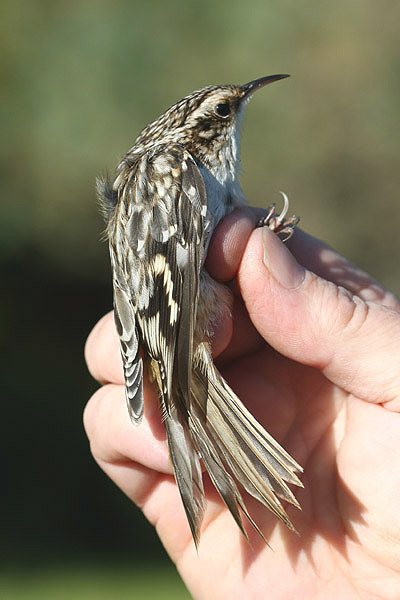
{"type": "Point", "coordinates": [170, 191]}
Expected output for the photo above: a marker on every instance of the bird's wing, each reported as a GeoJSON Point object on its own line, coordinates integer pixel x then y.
{"type": "Point", "coordinates": [157, 247]}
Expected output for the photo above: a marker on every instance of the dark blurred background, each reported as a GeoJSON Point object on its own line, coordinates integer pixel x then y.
{"type": "Point", "coordinates": [79, 80]}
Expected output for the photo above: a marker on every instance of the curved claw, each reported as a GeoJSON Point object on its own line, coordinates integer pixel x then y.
{"type": "Point", "coordinates": [283, 213]}
{"type": "Point", "coordinates": [278, 222]}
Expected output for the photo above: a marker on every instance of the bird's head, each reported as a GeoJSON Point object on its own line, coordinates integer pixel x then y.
{"type": "Point", "coordinates": [205, 120]}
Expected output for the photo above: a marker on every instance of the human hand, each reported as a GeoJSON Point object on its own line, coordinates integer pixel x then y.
{"type": "Point", "coordinates": [318, 366]}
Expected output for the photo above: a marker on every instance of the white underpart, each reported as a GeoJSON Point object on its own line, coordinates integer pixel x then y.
{"type": "Point", "coordinates": [224, 192]}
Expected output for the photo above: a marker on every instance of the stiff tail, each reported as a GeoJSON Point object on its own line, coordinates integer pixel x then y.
{"type": "Point", "coordinates": [187, 470]}
{"type": "Point", "coordinates": [233, 446]}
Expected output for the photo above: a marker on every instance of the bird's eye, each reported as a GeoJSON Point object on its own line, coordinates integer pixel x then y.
{"type": "Point", "coordinates": [223, 109]}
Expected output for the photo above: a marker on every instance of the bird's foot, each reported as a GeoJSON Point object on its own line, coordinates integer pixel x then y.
{"type": "Point", "coordinates": [277, 222]}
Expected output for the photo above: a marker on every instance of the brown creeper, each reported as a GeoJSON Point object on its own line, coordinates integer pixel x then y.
{"type": "Point", "coordinates": [170, 191]}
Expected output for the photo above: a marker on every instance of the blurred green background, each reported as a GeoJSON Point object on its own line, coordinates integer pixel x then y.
{"type": "Point", "coordinates": [79, 80]}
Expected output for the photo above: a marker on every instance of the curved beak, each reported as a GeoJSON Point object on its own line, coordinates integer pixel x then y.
{"type": "Point", "coordinates": [252, 86]}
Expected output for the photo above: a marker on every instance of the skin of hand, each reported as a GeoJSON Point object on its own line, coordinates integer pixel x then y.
{"type": "Point", "coordinates": [312, 347]}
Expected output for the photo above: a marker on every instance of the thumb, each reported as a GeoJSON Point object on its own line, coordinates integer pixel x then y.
{"type": "Point", "coordinates": [355, 343]}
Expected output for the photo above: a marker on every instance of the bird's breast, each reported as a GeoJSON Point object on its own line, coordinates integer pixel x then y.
{"type": "Point", "coordinates": [224, 193]}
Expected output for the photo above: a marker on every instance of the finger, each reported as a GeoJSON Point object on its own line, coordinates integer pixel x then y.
{"type": "Point", "coordinates": [230, 238]}
{"type": "Point", "coordinates": [229, 241]}
{"type": "Point", "coordinates": [355, 343]}
{"type": "Point", "coordinates": [102, 352]}
{"type": "Point", "coordinates": [326, 262]}
{"type": "Point", "coordinates": [114, 438]}
{"type": "Point", "coordinates": [244, 339]}
{"type": "Point", "coordinates": [136, 459]}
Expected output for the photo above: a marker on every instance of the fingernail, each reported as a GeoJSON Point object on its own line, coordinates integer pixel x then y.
{"type": "Point", "coordinates": [280, 262]}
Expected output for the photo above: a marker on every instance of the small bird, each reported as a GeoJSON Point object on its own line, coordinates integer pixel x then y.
{"type": "Point", "coordinates": [170, 191]}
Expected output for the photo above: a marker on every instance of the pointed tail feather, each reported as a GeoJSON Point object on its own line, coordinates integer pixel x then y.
{"type": "Point", "coordinates": [233, 444]}
{"type": "Point", "coordinates": [187, 470]}
{"type": "Point", "coordinates": [221, 479]}
{"type": "Point", "coordinates": [234, 448]}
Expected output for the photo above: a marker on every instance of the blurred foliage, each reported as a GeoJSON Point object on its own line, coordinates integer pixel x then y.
{"type": "Point", "coordinates": [79, 81]}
